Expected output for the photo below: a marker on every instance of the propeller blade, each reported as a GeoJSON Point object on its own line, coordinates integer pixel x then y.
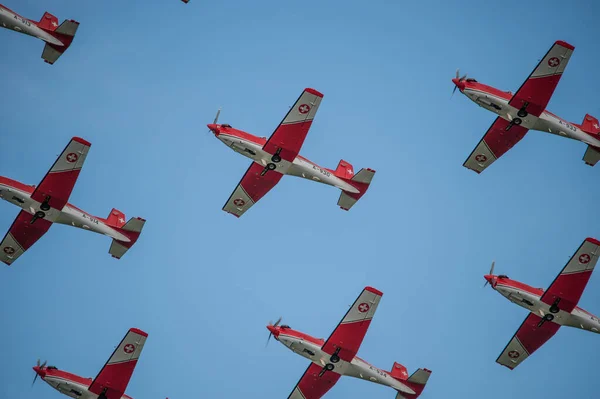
{"type": "Point", "coordinates": [453, 90]}
{"type": "Point", "coordinates": [457, 73]}
{"type": "Point", "coordinates": [34, 378]}
{"type": "Point", "coordinates": [44, 364]}
{"type": "Point", "coordinates": [37, 363]}
{"type": "Point", "coordinates": [268, 339]}
{"type": "Point", "coordinates": [217, 116]}
{"type": "Point", "coordinates": [463, 78]}
{"type": "Point", "coordinates": [492, 268]}
{"type": "Point", "coordinates": [277, 322]}
{"type": "Point", "coordinates": [486, 283]}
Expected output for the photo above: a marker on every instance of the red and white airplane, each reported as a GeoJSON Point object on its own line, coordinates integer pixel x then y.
{"type": "Point", "coordinates": [337, 356]}
{"type": "Point", "coordinates": [58, 38]}
{"type": "Point", "coordinates": [550, 309]}
{"type": "Point", "coordinates": [279, 155]}
{"type": "Point", "coordinates": [525, 110]}
{"type": "Point", "coordinates": [112, 380]}
{"type": "Point", "coordinates": [47, 203]}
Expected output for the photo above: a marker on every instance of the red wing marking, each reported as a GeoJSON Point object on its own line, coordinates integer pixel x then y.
{"type": "Point", "coordinates": [21, 236]}
{"type": "Point", "coordinates": [568, 286]}
{"type": "Point", "coordinates": [528, 338]}
{"type": "Point", "coordinates": [539, 87]}
{"type": "Point", "coordinates": [291, 132]}
{"type": "Point", "coordinates": [350, 332]}
{"type": "Point", "coordinates": [253, 186]}
{"type": "Point", "coordinates": [116, 373]}
{"type": "Point", "coordinates": [60, 179]}
{"type": "Point", "coordinates": [496, 141]}
{"type": "Point", "coordinates": [311, 386]}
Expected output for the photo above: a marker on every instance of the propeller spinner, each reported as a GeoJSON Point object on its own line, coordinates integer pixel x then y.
{"type": "Point", "coordinates": [38, 367]}
{"type": "Point", "coordinates": [270, 332]}
{"type": "Point", "coordinates": [491, 273]}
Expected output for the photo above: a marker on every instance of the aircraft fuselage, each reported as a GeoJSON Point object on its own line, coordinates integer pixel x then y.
{"type": "Point", "coordinates": [530, 299]}
{"type": "Point", "coordinates": [496, 101]}
{"type": "Point", "coordinates": [13, 21]}
{"type": "Point", "coordinates": [252, 147]}
{"type": "Point", "coordinates": [20, 195]}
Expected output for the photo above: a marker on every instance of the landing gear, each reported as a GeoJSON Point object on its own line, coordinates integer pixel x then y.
{"type": "Point", "coordinates": [335, 356]}
{"type": "Point", "coordinates": [554, 307]}
{"type": "Point", "coordinates": [271, 166]}
{"type": "Point", "coordinates": [517, 121]}
{"type": "Point", "coordinates": [549, 317]}
{"type": "Point", "coordinates": [36, 216]}
{"type": "Point", "coordinates": [522, 113]}
{"type": "Point", "coordinates": [276, 158]}
{"type": "Point", "coordinates": [329, 367]}
{"type": "Point", "coordinates": [46, 204]}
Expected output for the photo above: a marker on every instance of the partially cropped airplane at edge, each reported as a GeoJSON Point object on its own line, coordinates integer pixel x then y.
{"type": "Point", "coordinates": [58, 38]}
{"type": "Point", "coordinates": [337, 356]}
{"type": "Point", "coordinates": [525, 110]}
{"type": "Point", "coordinates": [279, 155]}
{"type": "Point", "coordinates": [550, 309]}
{"type": "Point", "coordinates": [48, 203]}
{"type": "Point", "coordinates": [112, 380]}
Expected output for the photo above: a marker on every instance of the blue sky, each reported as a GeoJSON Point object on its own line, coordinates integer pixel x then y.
{"type": "Point", "coordinates": [141, 81]}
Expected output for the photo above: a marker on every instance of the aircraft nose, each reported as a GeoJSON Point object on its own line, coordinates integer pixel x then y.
{"type": "Point", "coordinates": [459, 83]}
{"type": "Point", "coordinates": [213, 127]}
{"type": "Point", "coordinates": [39, 371]}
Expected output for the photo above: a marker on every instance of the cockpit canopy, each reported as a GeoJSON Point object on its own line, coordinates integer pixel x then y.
{"type": "Point", "coordinates": [471, 80]}
{"type": "Point", "coordinates": [285, 326]}
{"type": "Point", "coordinates": [502, 276]}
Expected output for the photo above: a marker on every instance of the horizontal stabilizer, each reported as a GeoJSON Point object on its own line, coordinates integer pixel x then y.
{"type": "Point", "coordinates": [65, 33]}
{"type": "Point", "coordinates": [361, 182]}
{"type": "Point", "coordinates": [132, 230]}
{"type": "Point", "coordinates": [591, 156]}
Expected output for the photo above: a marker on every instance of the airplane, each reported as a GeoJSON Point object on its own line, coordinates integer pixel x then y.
{"type": "Point", "coordinates": [112, 380]}
{"type": "Point", "coordinates": [279, 155]}
{"type": "Point", "coordinates": [525, 110]}
{"type": "Point", "coordinates": [337, 356]}
{"type": "Point", "coordinates": [550, 309]}
{"type": "Point", "coordinates": [48, 203]}
{"type": "Point", "coordinates": [58, 38]}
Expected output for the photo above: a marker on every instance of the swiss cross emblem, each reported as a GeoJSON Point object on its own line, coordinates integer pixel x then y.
{"type": "Point", "coordinates": [363, 307]}
{"type": "Point", "coordinates": [54, 24]}
{"type": "Point", "coordinates": [239, 202]}
{"type": "Point", "coordinates": [585, 258]}
{"type": "Point", "coordinates": [554, 62]}
{"type": "Point", "coordinates": [481, 158]}
{"type": "Point", "coordinates": [303, 109]}
{"type": "Point", "coordinates": [72, 157]}
{"type": "Point", "coordinates": [9, 250]}
{"type": "Point", "coordinates": [128, 348]}
{"type": "Point", "coordinates": [513, 354]}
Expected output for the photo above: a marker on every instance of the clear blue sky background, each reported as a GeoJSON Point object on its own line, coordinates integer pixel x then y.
{"type": "Point", "coordinates": [141, 81]}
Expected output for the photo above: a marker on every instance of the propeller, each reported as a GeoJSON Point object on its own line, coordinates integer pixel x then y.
{"type": "Point", "coordinates": [460, 79]}
{"type": "Point", "coordinates": [274, 325]}
{"type": "Point", "coordinates": [491, 273]}
{"type": "Point", "coordinates": [39, 366]}
{"type": "Point", "coordinates": [216, 118]}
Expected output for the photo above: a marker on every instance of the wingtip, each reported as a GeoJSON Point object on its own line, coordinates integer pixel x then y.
{"type": "Point", "coordinates": [82, 141]}
{"type": "Point", "coordinates": [565, 44]}
{"type": "Point", "coordinates": [374, 291]}
{"type": "Point", "coordinates": [592, 240]}
{"type": "Point", "coordinates": [138, 331]}
{"type": "Point", "coordinates": [313, 91]}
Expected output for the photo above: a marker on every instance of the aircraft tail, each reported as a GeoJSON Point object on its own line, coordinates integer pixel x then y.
{"type": "Point", "coordinates": [359, 181]}
{"type": "Point", "coordinates": [132, 230]}
{"type": "Point", "coordinates": [65, 33]}
{"type": "Point", "coordinates": [416, 381]}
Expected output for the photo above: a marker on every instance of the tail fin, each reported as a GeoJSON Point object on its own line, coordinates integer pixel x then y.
{"type": "Point", "coordinates": [132, 229]}
{"type": "Point", "coordinates": [359, 181]}
{"type": "Point", "coordinates": [65, 33]}
{"type": "Point", "coordinates": [416, 381]}
{"type": "Point", "coordinates": [590, 124]}
{"type": "Point", "coordinates": [48, 22]}
{"type": "Point", "coordinates": [116, 218]}
{"type": "Point", "coordinates": [344, 170]}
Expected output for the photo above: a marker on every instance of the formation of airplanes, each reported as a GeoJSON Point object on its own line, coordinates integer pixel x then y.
{"type": "Point", "coordinates": [279, 155]}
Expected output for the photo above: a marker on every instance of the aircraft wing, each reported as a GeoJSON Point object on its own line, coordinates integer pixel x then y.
{"type": "Point", "coordinates": [291, 132]}
{"type": "Point", "coordinates": [537, 90]}
{"type": "Point", "coordinates": [116, 373]}
{"type": "Point", "coordinates": [350, 332]}
{"type": "Point", "coordinates": [528, 339]}
{"type": "Point", "coordinates": [496, 141]}
{"type": "Point", "coordinates": [21, 236]}
{"type": "Point", "coordinates": [253, 186]}
{"type": "Point", "coordinates": [311, 386]}
{"type": "Point", "coordinates": [58, 183]}
{"type": "Point", "coordinates": [566, 289]}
